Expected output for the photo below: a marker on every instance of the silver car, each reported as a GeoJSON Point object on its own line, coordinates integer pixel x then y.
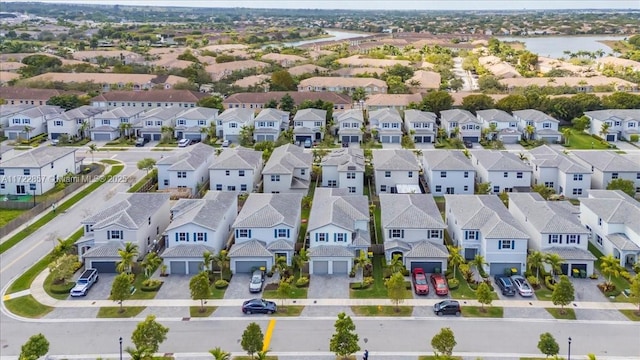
{"type": "Point", "coordinates": [522, 286]}
{"type": "Point", "coordinates": [257, 280]}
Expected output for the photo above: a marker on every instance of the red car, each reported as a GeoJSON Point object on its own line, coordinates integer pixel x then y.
{"type": "Point", "coordinates": [420, 285]}
{"type": "Point", "coordinates": [439, 284]}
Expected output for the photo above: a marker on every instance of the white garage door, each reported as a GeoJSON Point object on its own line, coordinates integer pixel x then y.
{"type": "Point", "coordinates": [320, 267]}
{"type": "Point", "coordinates": [177, 267]}
{"type": "Point", "coordinates": [101, 137]}
{"type": "Point", "coordinates": [340, 267]}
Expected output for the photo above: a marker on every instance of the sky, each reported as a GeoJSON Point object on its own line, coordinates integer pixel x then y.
{"type": "Point", "coordinates": [375, 4]}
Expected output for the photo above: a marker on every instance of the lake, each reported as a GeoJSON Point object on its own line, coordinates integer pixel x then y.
{"type": "Point", "coordinates": [554, 46]}
{"type": "Point", "coordinates": [335, 36]}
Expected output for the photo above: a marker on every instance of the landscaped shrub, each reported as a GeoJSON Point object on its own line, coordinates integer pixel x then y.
{"type": "Point", "coordinates": [368, 281]}
{"type": "Point", "coordinates": [151, 285]}
{"type": "Point", "coordinates": [406, 272]}
{"type": "Point", "coordinates": [625, 275]}
{"type": "Point", "coordinates": [61, 288]}
{"type": "Point", "coordinates": [352, 273]}
{"type": "Point", "coordinates": [453, 284]}
{"type": "Point", "coordinates": [634, 138]}
{"type": "Point", "coordinates": [356, 286]}
{"type": "Point", "coordinates": [593, 276]}
{"type": "Point", "coordinates": [533, 281]}
{"type": "Point", "coordinates": [302, 282]}
{"type": "Point", "coordinates": [367, 270]}
{"type": "Point", "coordinates": [438, 145]}
{"type": "Point", "coordinates": [407, 285]}
{"type": "Point", "coordinates": [549, 282]}
{"type": "Point", "coordinates": [221, 284]}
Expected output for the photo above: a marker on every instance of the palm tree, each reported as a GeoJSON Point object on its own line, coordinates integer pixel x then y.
{"type": "Point", "coordinates": [128, 257]}
{"type": "Point", "coordinates": [222, 260]}
{"type": "Point", "coordinates": [604, 130]}
{"type": "Point", "coordinates": [150, 262]}
{"type": "Point", "coordinates": [93, 148]}
{"type": "Point", "coordinates": [361, 262]}
{"type": "Point", "coordinates": [535, 259]}
{"type": "Point", "coordinates": [219, 354]}
{"type": "Point", "coordinates": [281, 265]}
{"type": "Point", "coordinates": [456, 132]}
{"type": "Point", "coordinates": [27, 129]}
{"type": "Point", "coordinates": [141, 353]}
{"type": "Point", "coordinates": [555, 261]}
{"type": "Point", "coordinates": [124, 128]}
{"type": "Point", "coordinates": [167, 132]}
{"type": "Point", "coordinates": [479, 262]}
{"type": "Point", "coordinates": [529, 130]}
{"type": "Point", "coordinates": [455, 258]}
{"type": "Point", "coordinates": [566, 133]}
{"type": "Point", "coordinates": [83, 129]}
{"type": "Point", "coordinates": [610, 266]}
{"type": "Point", "coordinates": [493, 129]}
{"type": "Point", "coordinates": [396, 264]}
{"type": "Point", "coordinates": [300, 259]}
{"type": "Point", "coordinates": [207, 260]}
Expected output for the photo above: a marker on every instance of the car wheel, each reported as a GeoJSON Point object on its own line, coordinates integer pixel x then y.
{"type": "Point", "coordinates": [248, 312]}
{"type": "Point", "coordinates": [269, 312]}
{"type": "Point", "coordinates": [439, 313]}
{"type": "Point", "coordinates": [457, 313]}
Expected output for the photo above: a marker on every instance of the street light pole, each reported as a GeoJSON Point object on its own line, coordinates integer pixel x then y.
{"type": "Point", "coordinates": [121, 347]}
{"type": "Point", "coordinates": [568, 353]}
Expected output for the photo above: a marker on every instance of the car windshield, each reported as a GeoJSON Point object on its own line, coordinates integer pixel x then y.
{"type": "Point", "coordinates": [256, 280]}
{"type": "Point", "coordinates": [441, 285]}
{"type": "Point", "coordinates": [421, 281]}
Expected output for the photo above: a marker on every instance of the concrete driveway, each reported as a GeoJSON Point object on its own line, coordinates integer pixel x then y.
{"type": "Point", "coordinates": [174, 287]}
{"type": "Point", "coordinates": [587, 289]}
{"type": "Point", "coordinates": [513, 147]}
{"type": "Point", "coordinates": [100, 290]}
{"type": "Point", "coordinates": [329, 287]}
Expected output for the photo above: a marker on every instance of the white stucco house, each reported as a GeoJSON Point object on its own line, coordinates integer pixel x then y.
{"type": "Point", "coordinates": [137, 218]}
{"type": "Point", "coordinates": [422, 123]}
{"type": "Point", "coordinates": [34, 119]}
{"type": "Point", "coordinates": [448, 172]}
{"type": "Point", "coordinates": [468, 124]}
{"type": "Point", "coordinates": [562, 173]}
{"type": "Point", "coordinates": [187, 169]}
{"type": "Point", "coordinates": [288, 170]}
{"type": "Point", "coordinates": [388, 124]}
{"type": "Point", "coordinates": [309, 124]}
{"type": "Point", "coordinates": [414, 230]}
{"type": "Point", "coordinates": [269, 124]}
{"type": "Point", "coordinates": [266, 227]}
{"type": "Point", "coordinates": [611, 217]}
{"type": "Point", "coordinates": [238, 170]}
{"type": "Point", "coordinates": [233, 120]}
{"type": "Point", "coordinates": [107, 124]}
{"type": "Point", "coordinates": [607, 166]}
{"type": "Point", "coordinates": [554, 227]}
{"type": "Point", "coordinates": [198, 225]}
{"type": "Point", "coordinates": [504, 170]}
{"type": "Point", "coordinates": [344, 168]}
{"type": "Point", "coordinates": [622, 123]}
{"type": "Point", "coordinates": [544, 126]}
{"type": "Point", "coordinates": [350, 125]}
{"type": "Point", "coordinates": [481, 224]}
{"type": "Point", "coordinates": [338, 231]}
{"type": "Point", "coordinates": [73, 123]}
{"type": "Point", "coordinates": [396, 171]}
{"type": "Point", "coordinates": [191, 123]}
{"type": "Point", "coordinates": [153, 121]}
{"type": "Point", "coordinates": [506, 126]}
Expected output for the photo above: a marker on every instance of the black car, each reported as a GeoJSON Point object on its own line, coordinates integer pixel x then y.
{"type": "Point", "coordinates": [506, 285]}
{"type": "Point", "coordinates": [447, 307]}
{"type": "Point", "coordinates": [259, 306]}
{"type": "Point", "coordinates": [468, 144]}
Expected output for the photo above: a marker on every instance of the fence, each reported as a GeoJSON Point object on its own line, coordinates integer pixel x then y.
{"type": "Point", "coordinates": [43, 204]}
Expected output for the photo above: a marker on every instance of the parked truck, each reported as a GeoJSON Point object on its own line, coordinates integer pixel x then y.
{"type": "Point", "coordinates": [85, 282]}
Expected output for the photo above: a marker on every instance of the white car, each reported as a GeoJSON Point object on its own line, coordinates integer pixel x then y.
{"type": "Point", "coordinates": [522, 286]}
{"type": "Point", "coordinates": [184, 142]}
{"type": "Point", "coordinates": [226, 143]}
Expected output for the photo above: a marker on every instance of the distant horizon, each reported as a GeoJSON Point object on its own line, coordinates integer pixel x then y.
{"type": "Point", "coordinates": [454, 5]}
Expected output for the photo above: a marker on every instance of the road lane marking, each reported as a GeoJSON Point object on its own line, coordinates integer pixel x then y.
{"type": "Point", "coordinates": [268, 334]}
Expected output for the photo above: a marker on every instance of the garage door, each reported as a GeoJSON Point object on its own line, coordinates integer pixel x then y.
{"type": "Point", "coordinates": [550, 140]}
{"type": "Point", "coordinates": [340, 267]}
{"type": "Point", "coordinates": [350, 139]}
{"type": "Point", "coordinates": [260, 138]}
{"type": "Point", "coordinates": [500, 268]}
{"type": "Point", "coordinates": [178, 267]}
{"type": "Point", "coordinates": [146, 136]}
{"type": "Point", "coordinates": [427, 266]}
{"type": "Point", "coordinates": [196, 137]}
{"type": "Point", "coordinates": [302, 138]}
{"type": "Point", "coordinates": [104, 267]}
{"type": "Point", "coordinates": [565, 269]}
{"type": "Point", "coordinates": [246, 267]}
{"type": "Point", "coordinates": [195, 267]}
{"type": "Point", "coordinates": [53, 136]}
{"type": "Point", "coordinates": [320, 267]}
{"type": "Point", "coordinates": [385, 139]}
{"type": "Point", "coordinates": [509, 139]}
{"type": "Point", "coordinates": [156, 137]}
{"type": "Point", "coordinates": [471, 138]}
{"type": "Point", "coordinates": [421, 139]}
{"type": "Point", "coordinates": [101, 137]}
{"type": "Point", "coordinates": [395, 139]}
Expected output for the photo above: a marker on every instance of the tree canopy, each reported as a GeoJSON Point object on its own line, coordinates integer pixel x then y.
{"type": "Point", "coordinates": [344, 341]}
{"type": "Point", "coordinates": [149, 334]}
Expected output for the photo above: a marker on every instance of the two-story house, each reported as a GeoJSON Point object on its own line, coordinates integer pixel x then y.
{"type": "Point", "coordinates": [266, 228]}
{"type": "Point", "coordinates": [338, 231]}
{"type": "Point", "coordinates": [344, 168]}
{"type": "Point", "coordinates": [309, 124]}
{"type": "Point", "coordinates": [535, 124]}
{"type": "Point", "coordinates": [269, 124]}
{"type": "Point", "coordinates": [560, 172]}
{"type": "Point", "coordinates": [502, 169]}
{"type": "Point", "coordinates": [343, 85]}
{"type": "Point", "coordinates": [482, 225]}
{"type": "Point", "coordinates": [611, 217]}
{"type": "Point", "coordinates": [288, 170]}
{"type": "Point", "coordinates": [607, 166]}
{"type": "Point", "coordinates": [197, 226]}
{"type": "Point", "coordinates": [193, 123]}
{"type": "Point", "coordinates": [138, 218]}
{"type": "Point", "coordinates": [350, 126]}
{"type": "Point", "coordinates": [146, 100]}
{"type": "Point", "coordinates": [153, 122]}
{"type": "Point", "coordinates": [7, 112]}
{"type": "Point", "coordinates": [448, 172]}
{"type": "Point", "coordinates": [461, 122]}
{"type": "Point", "coordinates": [232, 121]}
{"type": "Point", "coordinates": [30, 122]}
{"type": "Point", "coordinates": [554, 228]}
{"type": "Point", "coordinates": [396, 171]}
{"type": "Point", "coordinates": [188, 169]}
{"type": "Point", "coordinates": [500, 125]}
{"type": "Point", "coordinates": [387, 123]}
{"type": "Point", "coordinates": [620, 123]}
{"type": "Point", "coordinates": [237, 170]}
{"type": "Point", "coordinates": [421, 125]}
{"type": "Point", "coordinates": [413, 229]}
{"type": "Point", "coordinates": [112, 124]}
{"type": "Point", "coordinates": [73, 123]}
{"type": "Point", "coordinates": [36, 171]}
{"type": "Point", "coordinates": [15, 95]}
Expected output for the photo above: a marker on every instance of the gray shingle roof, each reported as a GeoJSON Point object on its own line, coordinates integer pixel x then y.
{"type": "Point", "coordinates": [622, 242]}
{"type": "Point", "coordinates": [486, 213]}
{"type": "Point", "coordinates": [353, 114]}
{"type": "Point", "coordinates": [385, 115]}
{"type": "Point", "coordinates": [571, 253]}
{"type": "Point", "coordinates": [269, 210]}
{"type": "Point", "coordinates": [106, 250]}
{"type": "Point", "coordinates": [493, 160]}
{"type": "Point", "coordinates": [207, 212]}
{"type": "Point", "coordinates": [276, 115]}
{"type": "Point", "coordinates": [40, 111]}
{"type": "Point", "coordinates": [120, 112]}
{"type": "Point", "coordinates": [332, 206]}
{"type": "Point", "coordinates": [346, 159]}
{"type": "Point", "coordinates": [311, 115]}
{"type": "Point", "coordinates": [459, 116]}
{"type": "Point", "coordinates": [237, 159]}
{"type": "Point", "coordinates": [384, 160]}
{"type": "Point", "coordinates": [396, 244]}
{"type": "Point", "coordinates": [548, 217]}
{"type": "Point", "coordinates": [447, 160]}
{"type": "Point", "coordinates": [607, 161]}
{"type": "Point", "coordinates": [547, 157]}
{"type": "Point", "coordinates": [330, 251]}
{"type": "Point", "coordinates": [199, 113]}
{"type": "Point", "coordinates": [614, 207]}
{"type": "Point", "coordinates": [190, 159]}
{"type": "Point", "coordinates": [187, 251]}
{"type": "Point", "coordinates": [38, 157]}
{"type": "Point", "coordinates": [164, 113]}
{"type": "Point", "coordinates": [286, 158]}
{"type": "Point", "coordinates": [240, 115]}
{"type": "Point", "coordinates": [129, 213]}
{"type": "Point", "coordinates": [536, 116]}
{"type": "Point", "coordinates": [410, 211]}
{"type": "Point", "coordinates": [427, 249]}
{"type": "Point", "coordinates": [495, 115]}
{"type": "Point", "coordinates": [622, 114]}
{"type": "Point", "coordinates": [251, 248]}
{"type": "Point", "coordinates": [280, 244]}
{"type": "Point", "coordinates": [417, 116]}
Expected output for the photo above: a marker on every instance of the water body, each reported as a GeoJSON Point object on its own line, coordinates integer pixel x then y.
{"type": "Point", "coordinates": [554, 46]}
{"type": "Point", "coordinates": [335, 36]}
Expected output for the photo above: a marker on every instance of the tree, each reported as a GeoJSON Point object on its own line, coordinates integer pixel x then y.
{"type": "Point", "coordinates": [361, 262]}
{"type": "Point", "coordinates": [222, 260]}
{"type": "Point", "coordinates": [634, 291]}
{"type": "Point", "coordinates": [511, 103]}
{"type": "Point", "coordinates": [300, 259]}
{"type": "Point", "coordinates": [396, 265]}
{"type": "Point", "coordinates": [66, 101]}
{"type": "Point", "coordinates": [271, 104]}
{"type": "Point", "coordinates": [27, 130]}
{"type": "Point", "coordinates": [36, 347]}
{"type": "Point", "coordinates": [477, 102]}
{"type": "Point", "coordinates": [444, 342]}
{"type": "Point", "coordinates": [535, 260]}
{"type": "Point", "coordinates": [93, 148]}
{"type": "Point", "coordinates": [246, 136]}
{"type": "Point", "coordinates": [548, 345]}
{"type": "Point", "coordinates": [139, 353]}
{"type": "Point", "coordinates": [529, 130]}
{"type": "Point", "coordinates": [124, 129]}
{"type": "Point", "coordinates": [146, 164]}
{"type": "Point", "coordinates": [121, 288]}
{"type": "Point", "coordinates": [212, 102]}
{"type": "Point", "coordinates": [150, 263]}
{"type": "Point", "coordinates": [436, 101]}
{"type": "Point", "coordinates": [620, 100]}
{"type": "Point", "coordinates": [626, 186]}
{"type": "Point", "coordinates": [252, 339]}
{"type": "Point", "coordinates": [555, 261]}
{"type": "Point", "coordinates": [581, 123]}
{"type": "Point", "coordinates": [128, 257]}
{"type": "Point", "coordinates": [344, 341]}
{"type": "Point", "coordinates": [566, 133]}
{"type": "Point", "coordinates": [479, 262]}
{"type": "Point", "coordinates": [62, 268]}
{"type": "Point", "coordinates": [455, 257]}
{"type": "Point", "coordinates": [587, 102]}
{"type": "Point", "coordinates": [396, 289]}
{"type": "Point", "coordinates": [199, 286]}
{"type": "Point", "coordinates": [610, 266]}
{"type": "Point", "coordinates": [359, 94]}
{"type": "Point", "coordinates": [563, 293]}
{"type": "Point", "coordinates": [604, 130]}
{"type": "Point", "coordinates": [207, 261]}
{"type": "Point", "coordinates": [282, 81]}
{"type": "Point", "coordinates": [484, 295]}
{"type": "Point", "coordinates": [544, 191]}
{"type": "Point", "coordinates": [219, 354]}
{"type": "Point", "coordinates": [149, 334]}
{"type": "Point", "coordinates": [284, 288]}
{"type": "Point", "coordinates": [483, 188]}
{"type": "Point", "coordinates": [287, 103]}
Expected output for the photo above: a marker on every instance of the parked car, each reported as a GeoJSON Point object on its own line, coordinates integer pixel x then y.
{"type": "Point", "coordinates": [468, 144]}
{"type": "Point", "coordinates": [226, 143]}
{"type": "Point", "coordinates": [55, 142]}
{"type": "Point", "coordinates": [259, 306]}
{"type": "Point", "coordinates": [522, 286]}
{"type": "Point", "coordinates": [439, 283]}
{"type": "Point", "coordinates": [420, 285]}
{"type": "Point", "coordinates": [85, 282]}
{"type": "Point", "coordinates": [257, 280]}
{"type": "Point", "coordinates": [447, 307]}
{"type": "Point", "coordinates": [141, 141]}
{"type": "Point", "coordinates": [506, 285]}
{"type": "Point", "coordinates": [307, 143]}
{"type": "Point", "coordinates": [184, 142]}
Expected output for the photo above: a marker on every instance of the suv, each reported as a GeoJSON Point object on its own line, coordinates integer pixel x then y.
{"type": "Point", "coordinates": [141, 141]}
{"type": "Point", "coordinates": [506, 285]}
{"type": "Point", "coordinates": [447, 307]}
{"type": "Point", "coordinates": [184, 142]}
{"type": "Point", "coordinates": [257, 280]}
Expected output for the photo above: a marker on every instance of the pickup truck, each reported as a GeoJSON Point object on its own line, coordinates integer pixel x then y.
{"type": "Point", "coordinates": [84, 282]}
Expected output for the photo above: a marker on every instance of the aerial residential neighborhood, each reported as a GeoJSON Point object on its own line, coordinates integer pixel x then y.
{"type": "Point", "coordinates": [207, 172]}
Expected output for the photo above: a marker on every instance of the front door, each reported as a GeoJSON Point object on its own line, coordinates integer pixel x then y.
{"type": "Point", "coordinates": [20, 189]}
{"type": "Point", "coordinates": [451, 190]}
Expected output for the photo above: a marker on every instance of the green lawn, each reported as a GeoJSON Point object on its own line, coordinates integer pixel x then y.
{"type": "Point", "coordinates": [377, 290]}
{"type": "Point", "coordinates": [378, 219]}
{"type": "Point", "coordinates": [463, 291]}
{"type": "Point", "coordinates": [289, 310]}
{"type": "Point", "coordinates": [27, 306]}
{"type": "Point", "coordinates": [114, 311]}
{"type": "Point", "coordinates": [6, 215]}
{"type": "Point", "coordinates": [139, 294]}
{"type": "Point", "coordinates": [566, 314]}
{"type": "Point", "coordinates": [543, 293]}
{"type": "Point", "coordinates": [382, 310]}
{"type": "Point", "coordinates": [633, 315]}
{"type": "Point", "coordinates": [216, 293]}
{"type": "Point", "coordinates": [579, 140]}
{"type": "Point", "coordinates": [446, 144]}
{"type": "Point", "coordinates": [489, 311]}
{"type": "Point", "coordinates": [433, 357]}
{"type": "Point", "coordinates": [620, 282]}
{"type": "Point", "coordinates": [47, 287]}
{"type": "Point", "coordinates": [110, 161]}
{"type": "Point", "coordinates": [195, 311]}
{"type": "Point", "coordinates": [296, 293]}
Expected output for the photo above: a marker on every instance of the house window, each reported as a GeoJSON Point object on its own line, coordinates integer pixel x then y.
{"type": "Point", "coordinates": [434, 234]}
{"type": "Point", "coordinates": [352, 189]}
{"type": "Point", "coordinates": [438, 188]}
{"type": "Point", "coordinates": [573, 239]}
{"type": "Point", "coordinates": [57, 123]}
{"type": "Point", "coordinates": [614, 175]}
{"type": "Point", "coordinates": [549, 184]}
{"type": "Point", "coordinates": [506, 244]}
{"type": "Point", "coordinates": [202, 122]}
{"type": "Point", "coordinates": [387, 174]}
{"type": "Point", "coordinates": [496, 189]}
{"type": "Point", "coordinates": [321, 237]}
{"type": "Point", "coordinates": [317, 124]}
{"type": "Point", "coordinates": [577, 191]}
{"type": "Point", "coordinates": [2, 187]}
{"type": "Point", "coordinates": [182, 122]}
{"type": "Point", "coordinates": [471, 235]}
{"type": "Point", "coordinates": [599, 239]}
{"type": "Point", "coordinates": [303, 171]}
{"type": "Point", "coordinates": [638, 176]}
{"type": "Point", "coordinates": [182, 174]}
{"type": "Point", "coordinates": [106, 122]}
{"type": "Point", "coordinates": [505, 174]}
{"type": "Point", "coordinates": [332, 183]}
{"type": "Point", "coordinates": [298, 124]}
{"type": "Point", "coordinates": [577, 177]}
{"type": "Point", "coordinates": [243, 233]}
{"type": "Point", "coordinates": [519, 175]}
{"type": "Point", "coordinates": [396, 234]}
{"type": "Point", "coordinates": [26, 172]}
{"type": "Point", "coordinates": [410, 174]}
{"type": "Point", "coordinates": [200, 236]}
{"type": "Point", "coordinates": [183, 236]}
{"type": "Point", "coordinates": [243, 187]}
{"type": "Point", "coordinates": [227, 172]}
{"type": "Point", "coordinates": [114, 234]}
{"type": "Point", "coordinates": [466, 174]}
{"type": "Point", "coordinates": [1, 171]}
{"type": "Point", "coordinates": [231, 188]}
{"type": "Point", "coordinates": [383, 188]}
{"type": "Point", "coordinates": [600, 221]}
{"type": "Point", "coordinates": [340, 237]}
{"type": "Point", "coordinates": [546, 125]}
{"type": "Point", "coordinates": [555, 239]}
{"type": "Point", "coordinates": [240, 172]}
{"type": "Point", "coordinates": [631, 124]}
{"type": "Point", "coordinates": [233, 125]}
{"type": "Point", "coordinates": [351, 175]}
{"type": "Point", "coordinates": [466, 188]}
{"type": "Point", "coordinates": [275, 178]}
{"type": "Point", "coordinates": [443, 174]}
{"type": "Point", "coordinates": [346, 125]}
{"type": "Point", "coordinates": [166, 182]}
{"type": "Point", "coordinates": [149, 123]}
{"type": "Point", "coordinates": [282, 233]}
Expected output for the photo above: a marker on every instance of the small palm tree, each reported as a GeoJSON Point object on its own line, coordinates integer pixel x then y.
{"type": "Point", "coordinates": [223, 261]}
{"type": "Point", "coordinates": [92, 148]}
{"type": "Point", "coordinates": [396, 264]}
{"type": "Point", "coordinates": [27, 130]}
{"type": "Point", "coordinates": [455, 258]}
{"type": "Point", "coordinates": [207, 260]}
{"type": "Point", "coordinates": [83, 129]}
{"type": "Point", "coordinates": [529, 130]}
{"type": "Point", "coordinates": [479, 262]}
{"type": "Point", "coordinates": [535, 260]}
{"type": "Point", "coordinates": [219, 354]}
{"type": "Point", "coordinates": [151, 262]}
{"type": "Point", "coordinates": [281, 266]}
{"type": "Point", "coordinates": [604, 130]}
{"type": "Point", "coordinates": [300, 259]}
{"type": "Point", "coordinates": [610, 266]}
{"type": "Point", "coordinates": [555, 261]}
{"type": "Point", "coordinates": [566, 133]}
{"type": "Point", "coordinates": [361, 262]}
{"type": "Point", "coordinates": [128, 257]}
{"type": "Point", "coordinates": [141, 353]}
